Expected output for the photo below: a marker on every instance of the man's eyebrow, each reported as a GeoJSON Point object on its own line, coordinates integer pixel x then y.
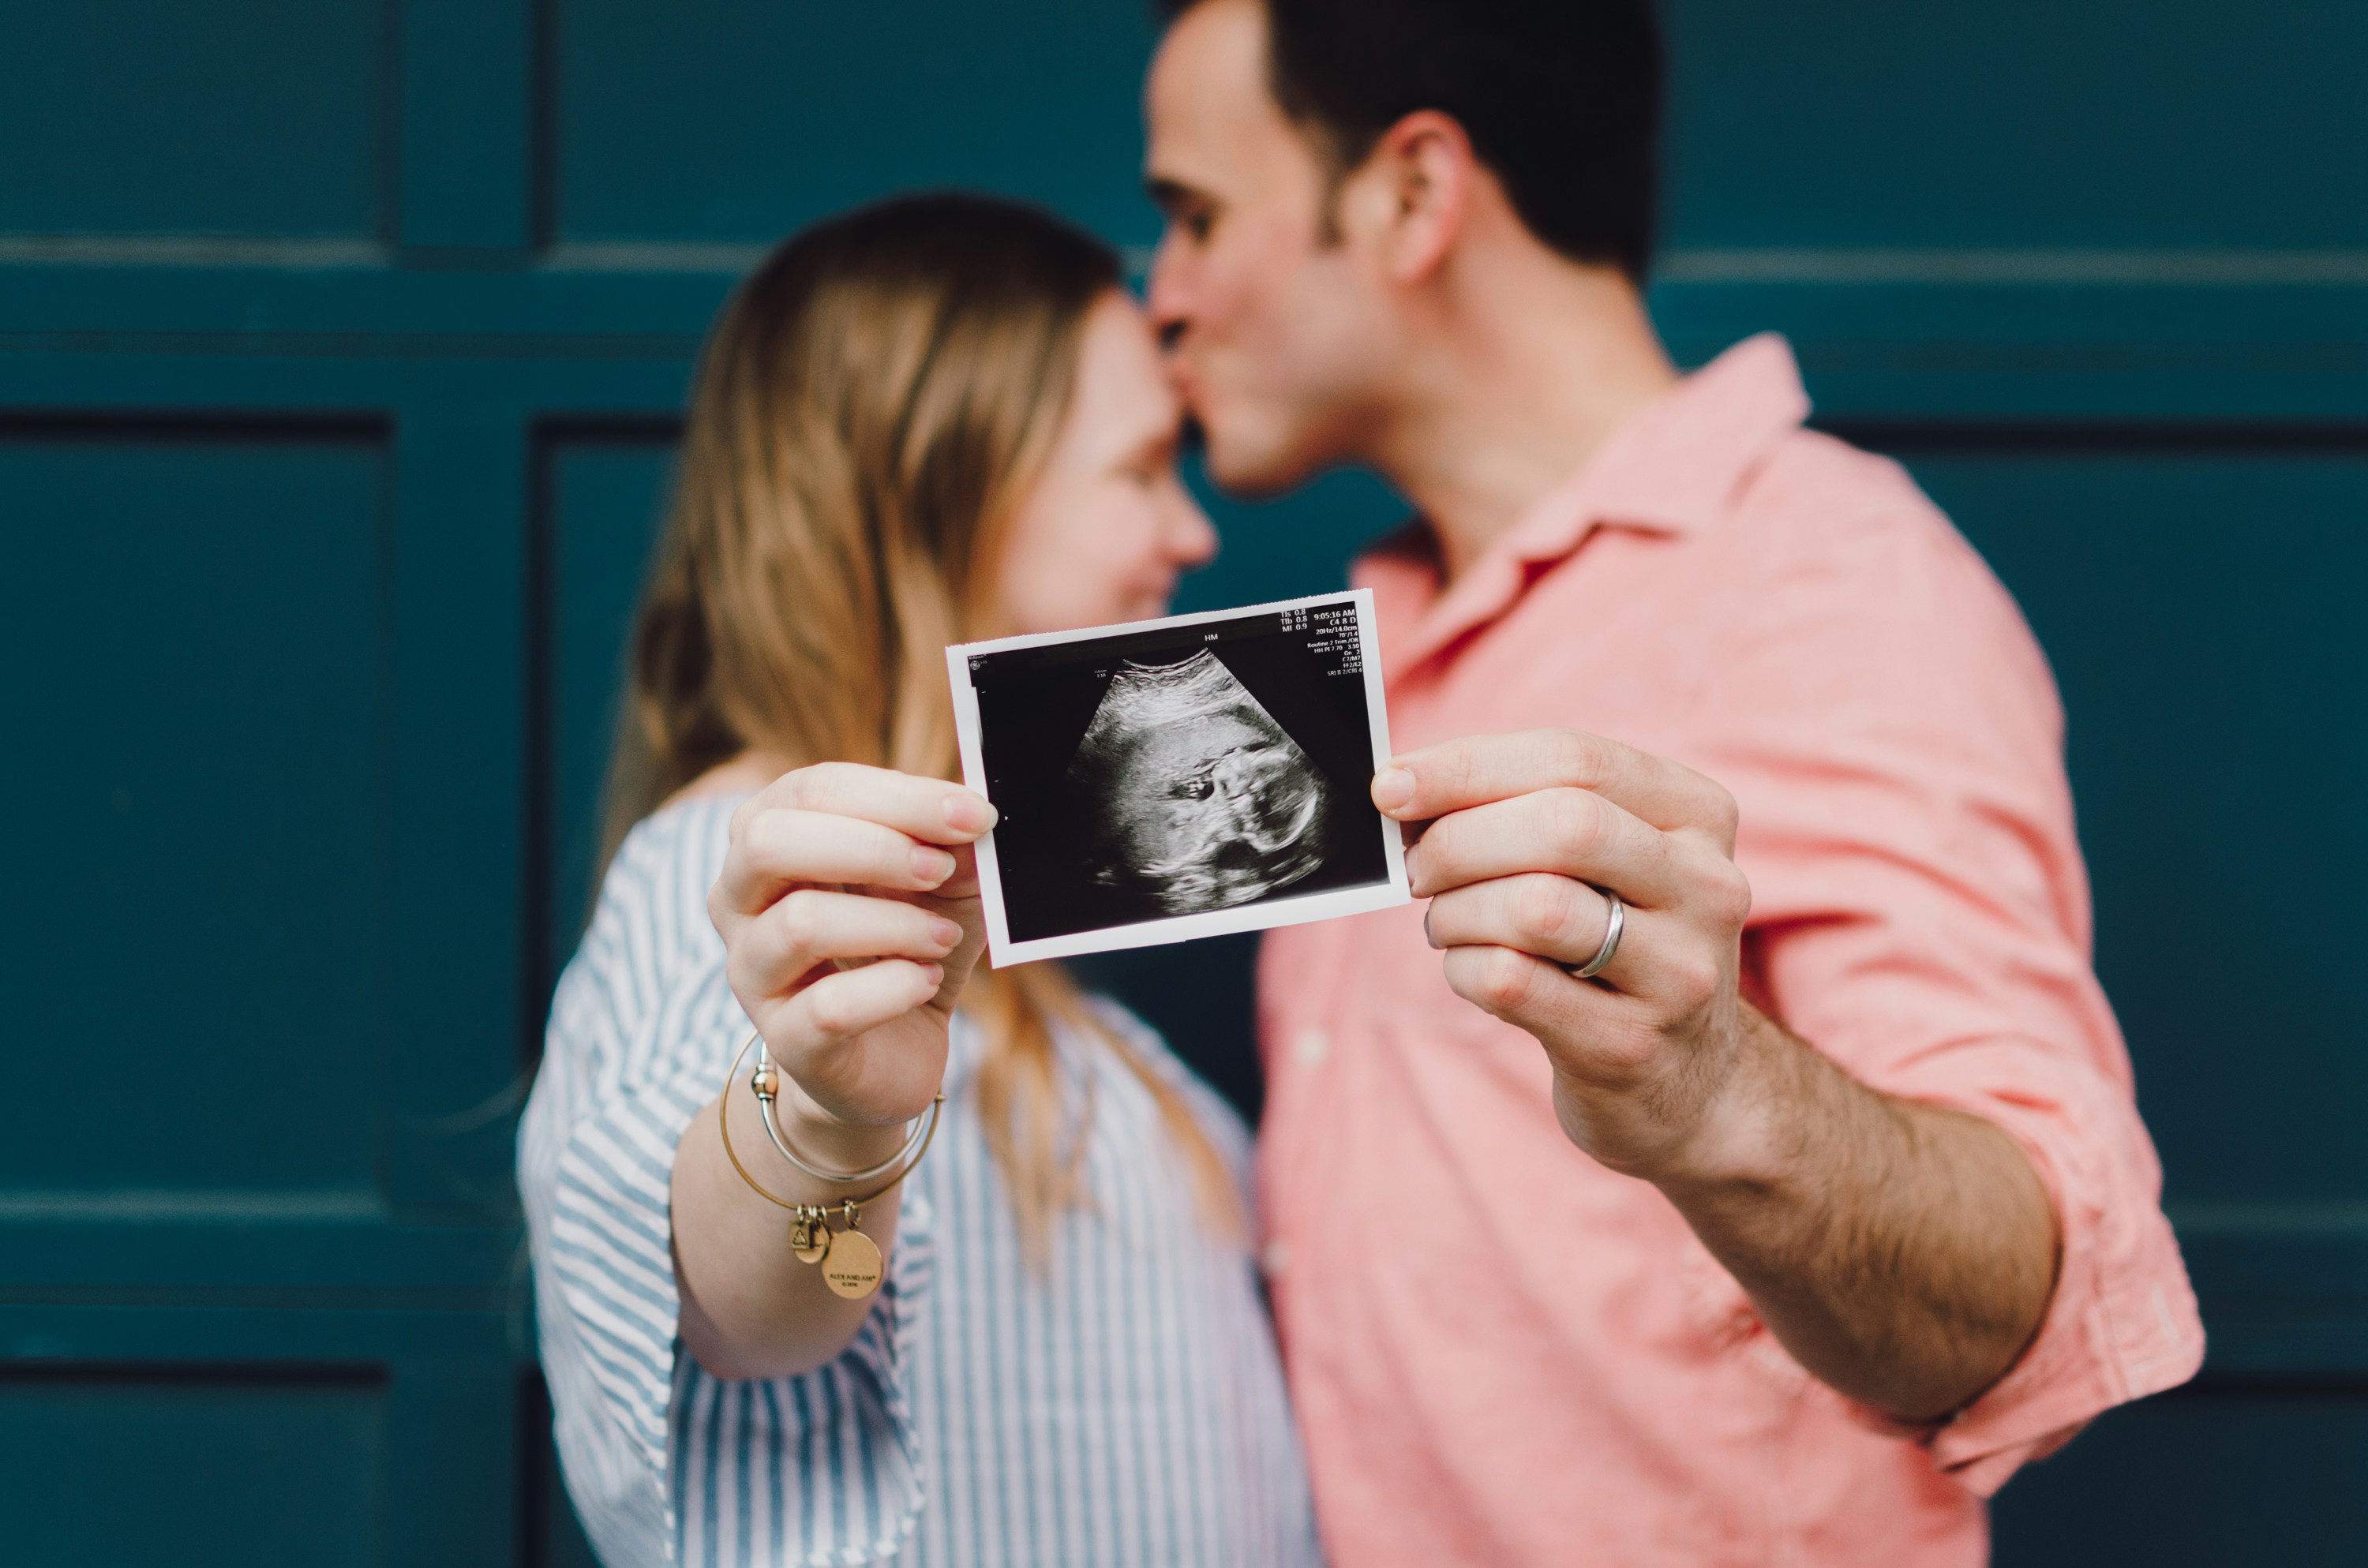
{"type": "Point", "coordinates": [1168, 194]}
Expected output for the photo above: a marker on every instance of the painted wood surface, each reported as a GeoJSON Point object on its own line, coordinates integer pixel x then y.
{"type": "Point", "coordinates": [341, 346]}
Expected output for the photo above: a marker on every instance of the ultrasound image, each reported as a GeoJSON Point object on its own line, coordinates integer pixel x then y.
{"type": "Point", "coordinates": [1155, 775]}
{"type": "Point", "coordinates": [1203, 802]}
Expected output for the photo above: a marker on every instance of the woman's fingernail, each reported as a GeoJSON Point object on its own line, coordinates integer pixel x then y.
{"type": "Point", "coordinates": [932, 866]}
{"type": "Point", "coordinates": [965, 812]}
{"type": "Point", "coordinates": [944, 932]}
{"type": "Point", "coordinates": [1393, 788]}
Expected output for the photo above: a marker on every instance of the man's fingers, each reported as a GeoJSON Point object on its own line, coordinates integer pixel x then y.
{"type": "Point", "coordinates": [777, 848]}
{"type": "Point", "coordinates": [1457, 775]}
{"type": "Point", "coordinates": [927, 809]}
{"type": "Point", "coordinates": [1559, 919]}
{"type": "Point", "coordinates": [815, 926]}
{"type": "Point", "coordinates": [1563, 922]}
{"type": "Point", "coordinates": [1605, 1037]}
{"type": "Point", "coordinates": [1570, 832]}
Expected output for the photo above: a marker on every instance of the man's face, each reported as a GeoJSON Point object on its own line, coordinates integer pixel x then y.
{"type": "Point", "coordinates": [1277, 334]}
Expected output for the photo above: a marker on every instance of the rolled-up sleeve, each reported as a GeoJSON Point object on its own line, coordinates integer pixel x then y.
{"type": "Point", "coordinates": [1920, 913]}
{"type": "Point", "coordinates": [636, 1047]}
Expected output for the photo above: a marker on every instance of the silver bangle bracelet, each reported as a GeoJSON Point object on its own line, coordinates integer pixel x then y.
{"type": "Point", "coordinates": [766, 1081]}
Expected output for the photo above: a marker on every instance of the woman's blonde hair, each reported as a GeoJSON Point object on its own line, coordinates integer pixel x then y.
{"type": "Point", "coordinates": [869, 408]}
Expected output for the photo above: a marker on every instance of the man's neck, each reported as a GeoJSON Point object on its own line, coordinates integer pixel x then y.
{"type": "Point", "coordinates": [1529, 366]}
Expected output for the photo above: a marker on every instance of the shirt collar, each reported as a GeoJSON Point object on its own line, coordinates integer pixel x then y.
{"type": "Point", "coordinates": [1673, 468]}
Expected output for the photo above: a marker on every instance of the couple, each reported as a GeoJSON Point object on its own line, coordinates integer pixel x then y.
{"type": "Point", "coordinates": [1786, 1237]}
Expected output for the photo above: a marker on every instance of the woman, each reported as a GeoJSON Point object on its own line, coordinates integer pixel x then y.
{"type": "Point", "coordinates": [931, 420]}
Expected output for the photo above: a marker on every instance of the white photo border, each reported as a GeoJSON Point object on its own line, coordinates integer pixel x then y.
{"type": "Point", "coordinates": [1264, 914]}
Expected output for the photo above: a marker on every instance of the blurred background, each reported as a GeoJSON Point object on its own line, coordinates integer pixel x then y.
{"type": "Point", "coordinates": [341, 349]}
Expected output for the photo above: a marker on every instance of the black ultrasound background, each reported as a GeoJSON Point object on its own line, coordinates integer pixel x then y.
{"type": "Point", "coordinates": [1034, 705]}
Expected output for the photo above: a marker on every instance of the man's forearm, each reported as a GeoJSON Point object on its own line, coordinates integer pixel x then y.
{"type": "Point", "coordinates": [1904, 1253]}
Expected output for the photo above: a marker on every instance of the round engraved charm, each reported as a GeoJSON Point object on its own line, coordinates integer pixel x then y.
{"type": "Point", "coordinates": [810, 1240]}
{"type": "Point", "coordinates": [853, 1269]}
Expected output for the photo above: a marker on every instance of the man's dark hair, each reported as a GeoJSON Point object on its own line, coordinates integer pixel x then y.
{"type": "Point", "coordinates": [1561, 99]}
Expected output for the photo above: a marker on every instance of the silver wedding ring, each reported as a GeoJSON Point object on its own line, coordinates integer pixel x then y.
{"type": "Point", "coordinates": [1594, 966]}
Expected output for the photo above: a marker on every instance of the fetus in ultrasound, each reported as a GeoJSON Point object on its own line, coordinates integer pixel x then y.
{"type": "Point", "coordinates": [1203, 802]}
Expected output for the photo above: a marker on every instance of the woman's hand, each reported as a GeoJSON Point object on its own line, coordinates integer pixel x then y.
{"type": "Point", "coordinates": [848, 907]}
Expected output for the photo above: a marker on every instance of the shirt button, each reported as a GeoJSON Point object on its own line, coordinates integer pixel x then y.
{"type": "Point", "coordinates": [1311, 1047]}
{"type": "Point", "coordinates": [1276, 1258]}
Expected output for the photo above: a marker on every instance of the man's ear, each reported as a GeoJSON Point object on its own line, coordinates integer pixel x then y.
{"type": "Point", "coordinates": [1411, 193]}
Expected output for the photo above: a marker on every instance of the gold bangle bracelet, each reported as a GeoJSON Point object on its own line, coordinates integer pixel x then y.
{"type": "Point", "coordinates": [766, 1081]}
{"type": "Point", "coordinates": [723, 1126]}
{"type": "Point", "coordinates": [852, 1262]}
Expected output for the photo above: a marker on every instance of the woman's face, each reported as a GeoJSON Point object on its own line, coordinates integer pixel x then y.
{"type": "Point", "coordinates": [1108, 526]}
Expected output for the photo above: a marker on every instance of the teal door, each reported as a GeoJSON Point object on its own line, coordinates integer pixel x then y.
{"type": "Point", "coordinates": [340, 347]}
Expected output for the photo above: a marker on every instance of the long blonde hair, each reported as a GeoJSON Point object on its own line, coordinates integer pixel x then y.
{"type": "Point", "coordinates": [869, 408]}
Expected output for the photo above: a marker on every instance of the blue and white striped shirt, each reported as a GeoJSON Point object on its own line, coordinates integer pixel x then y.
{"type": "Point", "coordinates": [1123, 1407]}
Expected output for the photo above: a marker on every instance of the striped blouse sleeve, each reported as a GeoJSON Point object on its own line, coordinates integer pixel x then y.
{"type": "Point", "coordinates": [640, 1031]}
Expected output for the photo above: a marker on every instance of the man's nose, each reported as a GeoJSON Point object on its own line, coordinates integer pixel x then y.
{"type": "Point", "coordinates": [1164, 297]}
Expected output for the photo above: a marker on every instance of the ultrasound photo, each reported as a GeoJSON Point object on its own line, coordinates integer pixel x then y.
{"type": "Point", "coordinates": [1178, 778]}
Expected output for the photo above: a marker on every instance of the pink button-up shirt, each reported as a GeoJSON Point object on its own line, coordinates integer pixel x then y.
{"type": "Point", "coordinates": [1504, 1354]}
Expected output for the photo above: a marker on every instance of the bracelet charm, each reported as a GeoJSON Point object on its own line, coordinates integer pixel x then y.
{"type": "Point", "coordinates": [810, 1235]}
{"type": "Point", "coordinates": [852, 1262]}
{"type": "Point", "coordinates": [852, 1266]}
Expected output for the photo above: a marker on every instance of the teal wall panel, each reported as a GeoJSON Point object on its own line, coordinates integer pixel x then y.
{"type": "Point", "coordinates": [2198, 599]}
{"type": "Point", "coordinates": [2243, 1474]}
{"type": "Point", "coordinates": [2105, 124]}
{"type": "Point", "coordinates": [265, 119]}
{"type": "Point", "coordinates": [467, 145]}
{"type": "Point", "coordinates": [341, 347]}
{"type": "Point", "coordinates": [606, 499]}
{"type": "Point", "coordinates": [722, 120]}
{"type": "Point", "coordinates": [197, 625]}
{"type": "Point", "coordinates": [123, 1465]}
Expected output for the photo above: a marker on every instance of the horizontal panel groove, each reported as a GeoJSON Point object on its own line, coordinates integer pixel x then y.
{"type": "Point", "coordinates": [498, 1296]}
{"type": "Point", "coordinates": [2103, 437]}
{"type": "Point", "coordinates": [45, 1332]}
{"type": "Point", "coordinates": [2207, 268]}
{"type": "Point", "coordinates": [628, 430]}
{"type": "Point", "coordinates": [653, 256]}
{"type": "Point", "coordinates": [23, 1206]}
{"type": "Point", "coordinates": [208, 426]}
{"type": "Point", "coordinates": [2344, 1384]}
{"type": "Point", "coordinates": [189, 250]}
{"type": "Point", "coordinates": [207, 1374]}
{"type": "Point", "coordinates": [488, 348]}
{"type": "Point", "coordinates": [640, 291]}
{"type": "Point", "coordinates": [2340, 1221]}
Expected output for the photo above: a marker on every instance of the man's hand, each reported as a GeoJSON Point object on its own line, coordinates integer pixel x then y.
{"type": "Point", "coordinates": [1904, 1253]}
{"type": "Point", "coordinates": [1526, 833]}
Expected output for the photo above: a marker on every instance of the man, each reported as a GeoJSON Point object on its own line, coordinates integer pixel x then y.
{"type": "Point", "coordinates": [1825, 1203]}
